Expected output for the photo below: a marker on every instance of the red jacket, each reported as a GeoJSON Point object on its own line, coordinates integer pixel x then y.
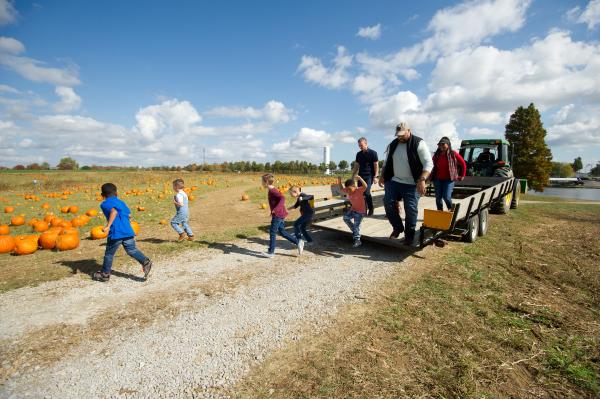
{"type": "Point", "coordinates": [445, 168]}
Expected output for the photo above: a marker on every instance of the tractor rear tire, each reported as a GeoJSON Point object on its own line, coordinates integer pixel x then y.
{"type": "Point", "coordinates": [483, 222]}
{"type": "Point", "coordinates": [503, 172]}
{"type": "Point", "coordinates": [472, 229]}
{"type": "Point", "coordinates": [516, 194]}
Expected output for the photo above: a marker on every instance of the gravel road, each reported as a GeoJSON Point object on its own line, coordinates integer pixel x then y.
{"type": "Point", "coordinates": [196, 327]}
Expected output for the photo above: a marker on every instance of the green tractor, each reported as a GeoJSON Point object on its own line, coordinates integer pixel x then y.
{"type": "Point", "coordinates": [491, 158]}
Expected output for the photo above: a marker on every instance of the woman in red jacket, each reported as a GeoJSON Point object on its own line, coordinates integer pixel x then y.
{"type": "Point", "coordinates": [448, 167]}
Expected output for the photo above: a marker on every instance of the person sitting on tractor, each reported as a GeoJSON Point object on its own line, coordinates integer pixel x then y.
{"type": "Point", "coordinates": [486, 156]}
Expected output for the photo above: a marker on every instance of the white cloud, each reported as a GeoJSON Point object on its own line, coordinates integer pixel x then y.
{"type": "Point", "coordinates": [370, 32]}
{"type": "Point", "coordinates": [562, 114]}
{"type": "Point", "coordinates": [8, 13]}
{"type": "Point", "coordinates": [8, 89]}
{"type": "Point", "coordinates": [69, 100]}
{"type": "Point", "coordinates": [345, 137]}
{"type": "Point", "coordinates": [591, 14]}
{"type": "Point", "coordinates": [34, 70]}
{"type": "Point", "coordinates": [576, 127]}
{"type": "Point", "coordinates": [307, 144]}
{"type": "Point", "coordinates": [25, 143]}
{"type": "Point", "coordinates": [333, 78]}
{"type": "Point", "coordinates": [169, 117]}
{"type": "Point", "coordinates": [483, 132]}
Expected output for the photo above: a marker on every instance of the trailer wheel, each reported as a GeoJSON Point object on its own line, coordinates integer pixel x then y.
{"type": "Point", "coordinates": [472, 229]}
{"type": "Point", "coordinates": [483, 222]}
{"type": "Point", "coordinates": [516, 194]}
{"type": "Point", "coordinates": [502, 205]}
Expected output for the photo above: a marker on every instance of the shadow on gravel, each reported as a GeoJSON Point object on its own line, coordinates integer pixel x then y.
{"type": "Point", "coordinates": [89, 266]}
{"type": "Point", "coordinates": [154, 240]}
{"type": "Point", "coordinates": [228, 248]}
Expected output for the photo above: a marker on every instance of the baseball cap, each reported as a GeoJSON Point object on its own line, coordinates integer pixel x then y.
{"type": "Point", "coordinates": [402, 126]}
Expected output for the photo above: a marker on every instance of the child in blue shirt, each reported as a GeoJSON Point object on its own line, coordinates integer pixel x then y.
{"type": "Point", "coordinates": [182, 212]}
{"type": "Point", "coordinates": [120, 233]}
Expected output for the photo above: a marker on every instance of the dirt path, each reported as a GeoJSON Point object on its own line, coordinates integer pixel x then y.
{"type": "Point", "coordinates": [196, 327]}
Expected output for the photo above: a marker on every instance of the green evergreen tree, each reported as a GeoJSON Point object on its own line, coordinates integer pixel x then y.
{"type": "Point", "coordinates": [577, 164]}
{"type": "Point", "coordinates": [532, 157]}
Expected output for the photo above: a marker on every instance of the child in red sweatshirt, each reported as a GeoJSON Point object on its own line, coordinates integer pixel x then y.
{"type": "Point", "coordinates": [278, 215]}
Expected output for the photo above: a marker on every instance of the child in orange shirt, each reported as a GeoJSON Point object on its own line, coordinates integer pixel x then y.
{"type": "Point", "coordinates": [354, 216]}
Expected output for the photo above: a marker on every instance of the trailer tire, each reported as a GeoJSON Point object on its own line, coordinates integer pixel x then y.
{"type": "Point", "coordinates": [483, 222]}
{"type": "Point", "coordinates": [472, 229]}
{"type": "Point", "coordinates": [502, 205]}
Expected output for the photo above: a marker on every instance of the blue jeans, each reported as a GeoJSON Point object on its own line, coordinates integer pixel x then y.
{"type": "Point", "coordinates": [443, 191]}
{"type": "Point", "coordinates": [278, 226]}
{"type": "Point", "coordinates": [354, 227]}
{"type": "Point", "coordinates": [181, 218]}
{"type": "Point", "coordinates": [300, 227]}
{"type": "Point", "coordinates": [395, 191]}
{"type": "Point", "coordinates": [111, 248]}
{"type": "Point", "coordinates": [368, 197]}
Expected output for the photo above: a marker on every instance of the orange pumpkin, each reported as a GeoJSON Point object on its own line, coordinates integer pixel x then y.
{"type": "Point", "coordinates": [163, 221]}
{"type": "Point", "coordinates": [77, 222]}
{"type": "Point", "coordinates": [48, 239]}
{"type": "Point", "coordinates": [245, 197]}
{"type": "Point", "coordinates": [4, 229]}
{"type": "Point", "coordinates": [141, 208]}
{"type": "Point", "coordinates": [191, 197]}
{"type": "Point", "coordinates": [56, 221]}
{"type": "Point", "coordinates": [135, 226]}
{"type": "Point", "coordinates": [45, 205]}
{"type": "Point", "coordinates": [32, 221]}
{"type": "Point", "coordinates": [64, 209]}
{"type": "Point", "coordinates": [40, 226]}
{"type": "Point", "coordinates": [17, 220]}
{"type": "Point", "coordinates": [66, 242]}
{"type": "Point", "coordinates": [73, 209]}
{"type": "Point", "coordinates": [69, 230]}
{"type": "Point", "coordinates": [7, 243]}
{"type": "Point", "coordinates": [9, 209]}
{"type": "Point", "coordinates": [85, 219]}
{"type": "Point", "coordinates": [26, 245]}
{"type": "Point", "coordinates": [91, 212]}
{"type": "Point", "coordinates": [96, 233]}
{"type": "Point", "coordinates": [65, 224]}
{"type": "Point", "coordinates": [48, 218]}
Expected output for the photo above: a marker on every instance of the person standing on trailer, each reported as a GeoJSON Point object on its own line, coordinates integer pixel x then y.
{"type": "Point", "coordinates": [407, 166]}
{"type": "Point", "coordinates": [448, 167]}
{"type": "Point", "coordinates": [367, 167]}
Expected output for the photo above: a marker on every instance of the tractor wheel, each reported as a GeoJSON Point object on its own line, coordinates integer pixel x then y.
{"type": "Point", "coordinates": [472, 229]}
{"type": "Point", "coordinates": [483, 222]}
{"type": "Point", "coordinates": [502, 205]}
{"type": "Point", "coordinates": [516, 194]}
{"type": "Point", "coordinates": [503, 172]}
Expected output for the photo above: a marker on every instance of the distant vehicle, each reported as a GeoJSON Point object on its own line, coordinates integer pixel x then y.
{"type": "Point", "coordinates": [565, 181]}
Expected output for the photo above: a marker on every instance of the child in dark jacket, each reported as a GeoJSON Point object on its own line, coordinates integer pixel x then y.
{"type": "Point", "coordinates": [278, 215]}
{"type": "Point", "coordinates": [306, 204]}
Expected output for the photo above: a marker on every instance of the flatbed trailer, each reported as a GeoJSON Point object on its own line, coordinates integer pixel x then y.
{"type": "Point", "coordinates": [473, 199]}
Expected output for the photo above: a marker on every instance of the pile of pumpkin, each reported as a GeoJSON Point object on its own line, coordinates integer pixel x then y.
{"type": "Point", "coordinates": [56, 232]}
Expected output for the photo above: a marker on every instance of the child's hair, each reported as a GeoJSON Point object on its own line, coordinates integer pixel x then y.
{"type": "Point", "coordinates": [178, 184]}
{"type": "Point", "coordinates": [295, 188]}
{"type": "Point", "coordinates": [349, 183]}
{"type": "Point", "coordinates": [108, 190]}
{"type": "Point", "coordinates": [268, 178]}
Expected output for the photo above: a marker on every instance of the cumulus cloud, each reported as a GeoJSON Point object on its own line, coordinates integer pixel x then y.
{"type": "Point", "coordinates": [69, 100]}
{"type": "Point", "coordinates": [333, 77]}
{"type": "Point", "coordinates": [8, 12]}
{"type": "Point", "coordinates": [370, 32]}
{"type": "Point", "coordinates": [168, 117]}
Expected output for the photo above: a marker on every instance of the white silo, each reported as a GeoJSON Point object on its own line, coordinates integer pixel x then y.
{"type": "Point", "coordinates": [326, 159]}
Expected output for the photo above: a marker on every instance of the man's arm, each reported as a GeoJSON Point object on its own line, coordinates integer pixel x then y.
{"type": "Point", "coordinates": [376, 171]}
{"type": "Point", "coordinates": [111, 219]}
{"type": "Point", "coordinates": [361, 180]}
{"type": "Point", "coordinates": [355, 167]}
{"type": "Point", "coordinates": [427, 161]}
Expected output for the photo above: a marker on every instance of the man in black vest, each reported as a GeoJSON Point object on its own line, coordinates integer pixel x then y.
{"type": "Point", "coordinates": [367, 167]}
{"type": "Point", "coordinates": [407, 165]}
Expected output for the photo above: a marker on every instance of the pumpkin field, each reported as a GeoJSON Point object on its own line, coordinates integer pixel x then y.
{"type": "Point", "coordinates": [51, 222]}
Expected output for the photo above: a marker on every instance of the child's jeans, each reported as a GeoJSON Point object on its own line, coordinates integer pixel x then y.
{"type": "Point", "coordinates": [354, 227]}
{"type": "Point", "coordinates": [181, 218]}
{"type": "Point", "coordinates": [300, 227]}
{"type": "Point", "coordinates": [111, 248]}
{"type": "Point", "coordinates": [278, 226]}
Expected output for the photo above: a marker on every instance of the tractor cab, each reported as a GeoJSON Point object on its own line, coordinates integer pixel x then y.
{"type": "Point", "coordinates": [487, 157]}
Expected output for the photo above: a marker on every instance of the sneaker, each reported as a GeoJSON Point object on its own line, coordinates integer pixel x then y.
{"type": "Point", "coordinates": [190, 238]}
{"type": "Point", "coordinates": [99, 276]}
{"type": "Point", "coordinates": [181, 237]}
{"type": "Point", "coordinates": [267, 255]}
{"type": "Point", "coordinates": [300, 247]}
{"type": "Point", "coordinates": [356, 243]}
{"type": "Point", "coordinates": [147, 266]}
{"type": "Point", "coordinates": [395, 234]}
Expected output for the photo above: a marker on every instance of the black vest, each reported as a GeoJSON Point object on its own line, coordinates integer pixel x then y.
{"type": "Point", "coordinates": [416, 166]}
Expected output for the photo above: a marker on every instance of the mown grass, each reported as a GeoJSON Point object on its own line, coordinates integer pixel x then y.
{"type": "Point", "coordinates": [513, 315]}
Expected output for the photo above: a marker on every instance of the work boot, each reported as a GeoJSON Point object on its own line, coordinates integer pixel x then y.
{"type": "Point", "coordinates": [190, 238]}
{"type": "Point", "coordinates": [182, 237]}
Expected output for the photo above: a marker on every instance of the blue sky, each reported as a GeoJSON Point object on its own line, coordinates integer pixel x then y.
{"type": "Point", "coordinates": [149, 83]}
